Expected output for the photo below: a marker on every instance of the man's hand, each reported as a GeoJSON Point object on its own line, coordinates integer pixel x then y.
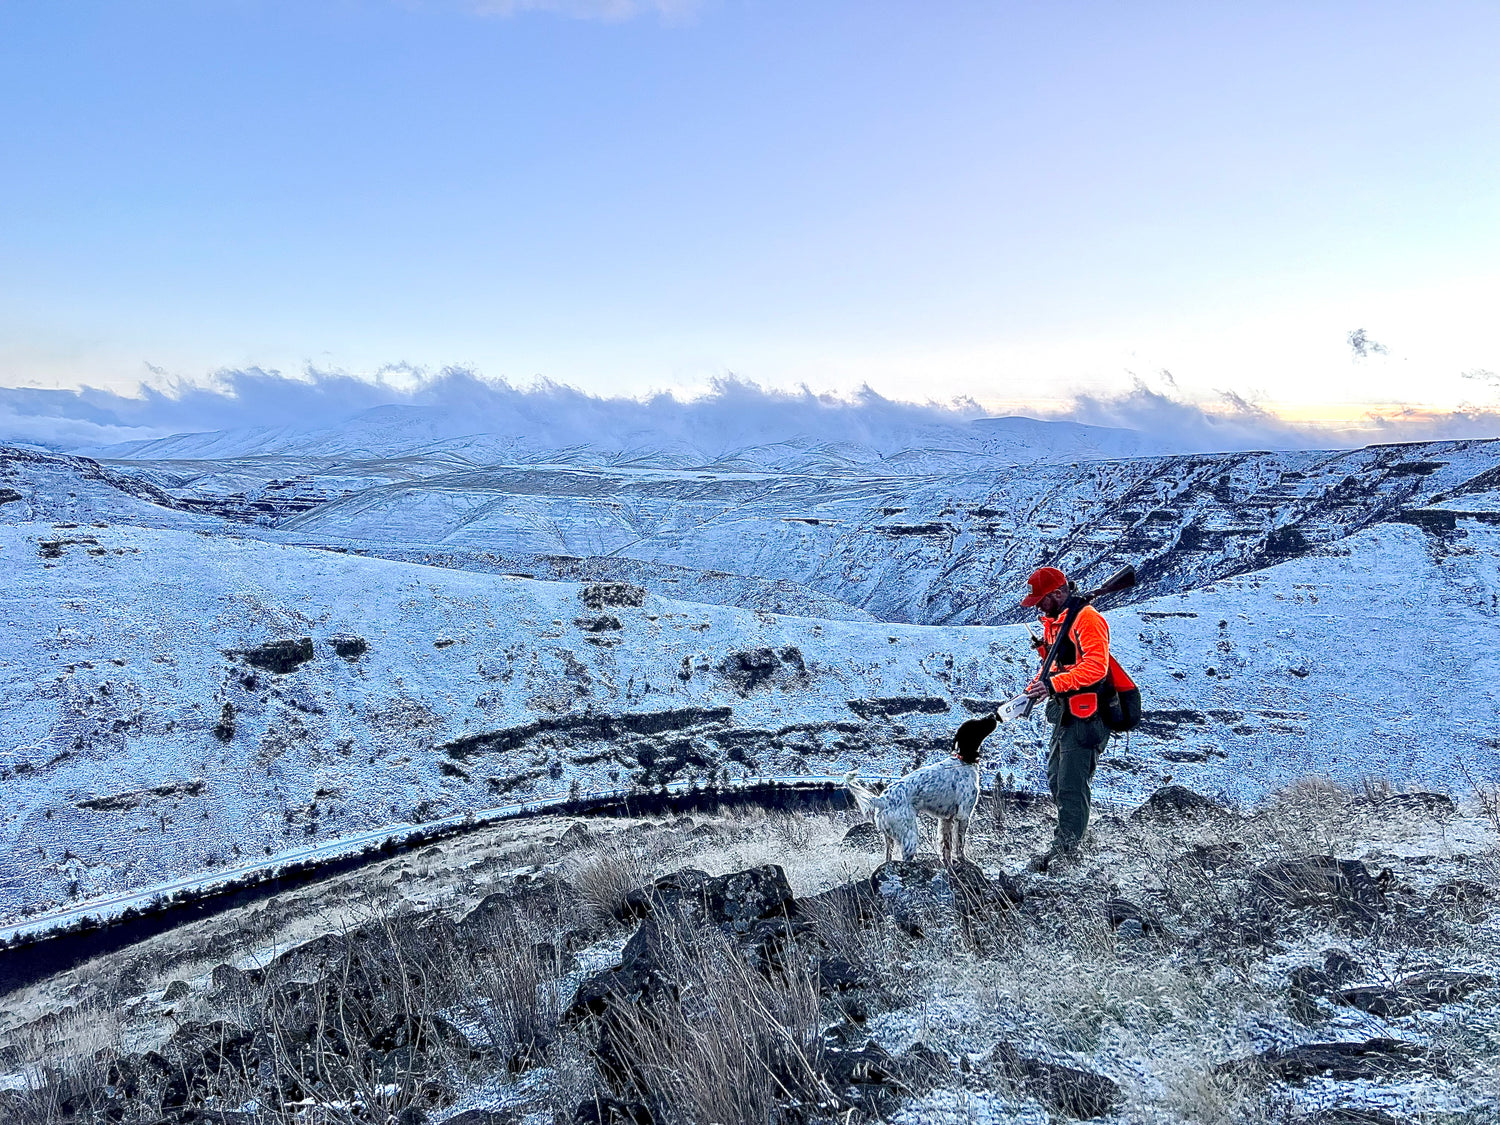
{"type": "Point", "coordinates": [1038, 690]}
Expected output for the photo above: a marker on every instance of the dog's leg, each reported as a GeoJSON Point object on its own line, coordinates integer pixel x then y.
{"type": "Point", "coordinates": [960, 829]}
{"type": "Point", "coordinates": [889, 840]}
{"type": "Point", "coordinates": [945, 827]}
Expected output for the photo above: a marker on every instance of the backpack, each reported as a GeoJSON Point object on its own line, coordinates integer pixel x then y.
{"type": "Point", "coordinates": [1122, 709]}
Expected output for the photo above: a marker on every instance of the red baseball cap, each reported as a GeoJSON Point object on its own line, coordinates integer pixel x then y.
{"type": "Point", "coordinates": [1043, 582]}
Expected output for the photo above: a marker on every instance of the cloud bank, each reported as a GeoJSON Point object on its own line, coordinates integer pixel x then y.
{"type": "Point", "coordinates": [733, 413]}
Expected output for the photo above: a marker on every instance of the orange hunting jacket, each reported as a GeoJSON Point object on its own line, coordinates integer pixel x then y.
{"type": "Point", "coordinates": [1088, 663]}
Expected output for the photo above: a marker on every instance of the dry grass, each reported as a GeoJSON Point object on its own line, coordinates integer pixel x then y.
{"type": "Point", "coordinates": [1155, 1012]}
{"type": "Point", "coordinates": [733, 1045]}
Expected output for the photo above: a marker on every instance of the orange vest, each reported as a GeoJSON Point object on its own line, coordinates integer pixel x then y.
{"type": "Point", "coordinates": [1082, 664]}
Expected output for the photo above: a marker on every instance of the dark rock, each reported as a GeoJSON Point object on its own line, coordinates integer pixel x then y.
{"type": "Point", "coordinates": [836, 974]}
{"type": "Point", "coordinates": [893, 705]}
{"type": "Point", "coordinates": [1321, 880]}
{"type": "Point", "coordinates": [919, 893]}
{"type": "Point", "coordinates": [176, 991]}
{"type": "Point", "coordinates": [224, 728]}
{"type": "Point", "coordinates": [739, 900]}
{"type": "Point", "coordinates": [1211, 857]}
{"type": "Point", "coordinates": [864, 835]}
{"type": "Point", "coordinates": [750, 669]}
{"type": "Point", "coordinates": [1118, 911]}
{"type": "Point", "coordinates": [639, 978]}
{"type": "Point", "coordinates": [1062, 1089]}
{"type": "Point", "coordinates": [602, 595]}
{"type": "Point", "coordinates": [611, 1111]}
{"type": "Point", "coordinates": [1421, 992]}
{"type": "Point", "coordinates": [735, 902]}
{"type": "Point", "coordinates": [680, 892]}
{"type": "Point", "coordinates": [605, 622]}
{"type": "Point", "coordinates": [1374, 1059]}
{"type": "Point", "coordinates": [867, 1078]}
{"type": "Point", "coordinates": [1172, 801]}
{"type": "Point", "coordinates": [9, 495]}
{"type": "Point", "coordinates": [278, 657]}
{"type": "Point", "coordinates": [350, 647]}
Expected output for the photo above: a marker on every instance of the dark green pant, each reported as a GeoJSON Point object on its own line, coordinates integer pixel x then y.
{"type": "Point", "coordinates": [1071, 760]}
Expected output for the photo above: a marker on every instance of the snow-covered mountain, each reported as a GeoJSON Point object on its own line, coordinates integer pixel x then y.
{"type": "Point", "coordinates": [186, 683]}
{"type": "Point", "coordinates": [678, 441]}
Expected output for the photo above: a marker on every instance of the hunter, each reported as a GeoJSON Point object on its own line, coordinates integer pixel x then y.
{"type": "Point", "coordinates": [1074, 689]}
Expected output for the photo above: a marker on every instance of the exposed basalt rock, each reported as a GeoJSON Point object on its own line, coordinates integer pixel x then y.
{"type": "Point", "coordinates": [732, 902]}
{"type": "Point", "coordinates": [1421, 992]}
{"type": "Point", "coordinates": [1373, 1060]}
{"type": "Point", "coordinates": [1211, 857]}
{"type": "Point", "coordinates": [753, 668]}
{"type": "Point", "coordinates": [1118, 911]}
{"type": "Point", "coordinates": [898, 705]}
{"type": "Point", "coordinates": [224, 728]}
{"type": "Point", "coordinates": [604, 622]}
{"type": "Point", "coordinates": [1307, 983]}
{"type": "Point", "coordinates": [603, 1110]}
{"type": "Point", "coordinates": [1344, 885]}
{"type": "Point", "coordinates": [122, 802]}
{"type": "Point", "coordinates": [864, 835]}
{"type": "Point", "coordinates": [1171, 801]}
{"type": "Point", "coordinates": [602, 595]}
{"type": "Point", "coordinates": [1067, 1090]}
{"type": "Point", "coordinates": [348, 646]}
{"type": "Point", "coordinates": [277, 657]}
{"type": "Point", "coordinates": [921, 893]}
{"type": "Point", "coordinates": [9, 495]}
{"type": "Point", "coordinates": [587, 726]}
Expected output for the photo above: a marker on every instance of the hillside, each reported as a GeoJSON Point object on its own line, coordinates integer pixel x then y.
{"type": "Point", "coordinates": [175, 700]}
{"type": "Point", "coordinates": [1326, 957]}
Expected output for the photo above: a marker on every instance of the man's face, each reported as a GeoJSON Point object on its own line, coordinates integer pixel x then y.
{"type": "Point", "coordinates": [1051, 605]}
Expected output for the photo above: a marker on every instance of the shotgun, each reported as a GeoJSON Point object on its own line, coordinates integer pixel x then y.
{"type": "Point", "coordinates": [1019, 707]}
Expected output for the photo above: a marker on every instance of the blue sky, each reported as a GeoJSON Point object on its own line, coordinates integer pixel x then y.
{"type": "Point", "coordinates": [1015, 202]}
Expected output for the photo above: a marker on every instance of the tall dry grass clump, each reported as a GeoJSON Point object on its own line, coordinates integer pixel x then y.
{"type": "Point", "coordinates": [729, 1044]}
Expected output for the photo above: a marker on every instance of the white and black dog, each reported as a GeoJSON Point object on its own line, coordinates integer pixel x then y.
{"type": "Point", "coordinates": [948, 790]}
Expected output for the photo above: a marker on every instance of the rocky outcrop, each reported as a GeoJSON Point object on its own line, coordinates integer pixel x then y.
{"type": "Point", "coordinates": [277, 657]}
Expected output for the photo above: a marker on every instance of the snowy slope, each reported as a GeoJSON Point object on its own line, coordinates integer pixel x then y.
{"type": "Point", "coordinates": [477, 688]}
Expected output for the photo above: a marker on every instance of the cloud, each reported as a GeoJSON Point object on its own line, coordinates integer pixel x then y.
{"type": "Point", "coordinates": [731, 414]}
{"type": "Point", "coordinates": [1364, 347]}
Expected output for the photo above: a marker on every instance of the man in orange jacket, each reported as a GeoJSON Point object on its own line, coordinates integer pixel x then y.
{"type": "Point", "coordinates": [1074, 689]}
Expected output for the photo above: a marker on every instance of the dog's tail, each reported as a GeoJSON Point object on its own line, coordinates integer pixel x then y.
{"type": "Point", "coordinates": [866, 799]}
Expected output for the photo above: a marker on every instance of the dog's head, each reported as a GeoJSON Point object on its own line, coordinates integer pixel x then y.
{"type": "Point", "coordinates": [970, 735]}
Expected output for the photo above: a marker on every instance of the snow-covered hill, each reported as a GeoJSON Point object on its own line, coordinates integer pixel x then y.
{"type": "Point", "coordinates": [176, 686]}
{"type": "Point", "coordinates": [934, 549]}
{"type": "Point", "coordinates": [685, 441]}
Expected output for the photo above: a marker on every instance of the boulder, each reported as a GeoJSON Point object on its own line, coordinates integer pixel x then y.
{"type": "Point", "coordinates": [1172, 802]}
{"type": "Point", "coordinates": [735, 902]}
{"type": "Point", "coordinates": [1062, 1089]}
{"type": "Point", "coordinates": [919, 893]}
{"type": "Point", "coordinates": [864, 835]}
{"type": "Point", "coordinates": [1421, 992]}
{"type": "Point", "coordinates": [1373, 1059]}
{"type": "Point", "coordinates": [1118, 911]}
{"type": "Point", "coordinates": [1345, 885]}
{"type": "Point", "coordinates": [278, 657]}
